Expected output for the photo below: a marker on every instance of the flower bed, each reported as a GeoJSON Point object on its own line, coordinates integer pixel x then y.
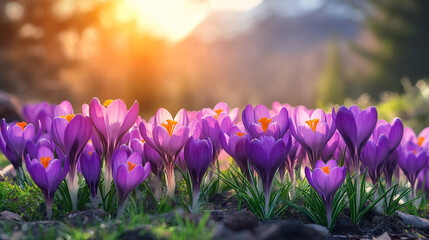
{"type": "Point", "coordinates": [345, 170]}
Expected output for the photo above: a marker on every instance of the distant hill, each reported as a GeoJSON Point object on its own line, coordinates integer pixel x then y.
{"type": "Point", "coordinates": [261, 55]}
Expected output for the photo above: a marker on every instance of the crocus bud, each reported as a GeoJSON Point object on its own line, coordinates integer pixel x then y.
{"type": "Point", "coordinates": [374, 156]}
{"type": "Point", "coordinates": [90, 164]}
{"type": "Point", "coordinates": [355, 126]}
{"type": "Point", "coordinates": [197, 155]}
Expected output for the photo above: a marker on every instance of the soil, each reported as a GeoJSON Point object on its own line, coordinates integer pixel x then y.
{"type": "Point", "coordinates": [229, 222]}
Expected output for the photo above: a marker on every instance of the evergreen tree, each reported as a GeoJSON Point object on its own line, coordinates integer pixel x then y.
{"type": "Point", "coordinates": [401, 28]}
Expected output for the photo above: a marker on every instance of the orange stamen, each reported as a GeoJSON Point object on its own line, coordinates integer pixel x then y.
{"type": "Point", "coordinates": [45, 161]}
{"type": "Point", "coordinates": [22, 124]}
{"type": "Point", "coordinates": [312, 124]}
{"type": "Point", "coordinates": [170, 125]}
{"type": "Point", "coordinates": [265, 122]}
{"type": "Point", "coordinates": [90, 153]}
{"type": "Point", "coordinates": [68, 117]}
{"type": "Point", "coordinates": [240, 134]}
{"type": "Point", "coordinates": [131, 166]}
{"type": "Point", "coordinates": [218, 112]}
{"type": "Point", "coordinates": [143, 141]}
{"type": "Point", "coordinates": [326, 170]}
{"type": "Point", "coordinates": [415, 152]}
{"type": "Point", "coordinates": [420, 141]}
{"type": "Point", "coordinates": [107, 102]}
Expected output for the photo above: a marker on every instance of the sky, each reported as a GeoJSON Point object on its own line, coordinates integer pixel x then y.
{"type": "Point", "coordinates": [175, 19]}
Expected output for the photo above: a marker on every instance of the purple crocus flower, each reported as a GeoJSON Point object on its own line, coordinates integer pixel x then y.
{"type": "Point", "coordinates": [412, 159]}
{"type": "Point", "coordinates": [393, 131]}
{"type": "Point", "coordinates": [423, 181]}
{"type": "Point", "coordinates": [326, 179]}
{"type": "Point", "coordinates": [197, 155]}
{"type": "Point", "coordinates": [128, 173]}
{"type": "Point", "coordinates": [13, 142]}
{"type": "Point", "coordinates": [390, 166]}
{"type": "Point", "coordinates": [374, 156]}
{"type": "Point", "coordinates": [312, 131]}
{"type": "Point", "coordinates": [355, 126]}
{"type": "Point", "coordinates": [236, 144]}
{"type": "Point", "coordinates": [266, 155]}
{"type": "Point", "coordinates": [259, 122]}
{"type": "Point", "coordinates": [90, 164]}
{"type": "Point", "coordinates": [331, 146]}
{"type": "Point", "coordinates": [220, 111]}
{"type": "Point", "coordinates": [210, 129]}
{"type": "Point", "coordinates": [111, 121]}
{"type": "Point", "coordinates": [71, 134]}
{"type": "Point", "coordinates": [422, 140]}
{"type": "Point", "coordinates": [292, 156]}
{"type": "Point", "coordinates": [39, 112]}
{"type": "Point", "coordinates": [167, 136]}
{"type": "Point", "coordinates": [47, 173]}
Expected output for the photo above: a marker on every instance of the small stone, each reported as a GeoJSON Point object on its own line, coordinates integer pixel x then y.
{"type": "Point", "coordinates": [385, 236]}
{"type": "Point", "coordinates": [319, 228]}
{"type": "Point", "coordinates": [8, 172]}
{"type": "Point", "coordinates": [10, 216]}
{"type": "Point", "coordinates": [413, 220]}
{"type": "Point", "coordinates": [85, 217]}
{"type": "Point", "coordinates": [290, 230]}
{"type": "Point", "coordinates": [241, 221]}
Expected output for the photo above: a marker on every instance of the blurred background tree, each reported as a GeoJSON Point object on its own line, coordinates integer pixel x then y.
{"type": "Point", "coordinates": [401, 30]}
{"type": "Point", "coordinates": [332, 81]}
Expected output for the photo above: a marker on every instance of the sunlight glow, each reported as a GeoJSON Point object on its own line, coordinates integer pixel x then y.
{"type": "Point", "coordinates": [175, 19]}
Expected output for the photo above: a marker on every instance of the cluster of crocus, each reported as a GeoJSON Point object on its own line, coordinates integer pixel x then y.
{"type": "Point", "coordinates": [109, 141]}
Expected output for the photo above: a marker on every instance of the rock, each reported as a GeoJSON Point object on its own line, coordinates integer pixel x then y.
{"type": "Point", "coordinates": [319, 228]}
{"type": "Point", "coordinates": [290, 230]}
{"type": "Point", "coordinates": [385, 236]}
{"type": "Point", "coordinates": [10, 216]}
{"type": "Point", "coordinates": [243, 220]}
{"type": "Point", "coordinates": [84, 217]}
{"type": "Point", "coordinates": [8, 172]}
{"type": "Point", "coordinates": [414, 220]}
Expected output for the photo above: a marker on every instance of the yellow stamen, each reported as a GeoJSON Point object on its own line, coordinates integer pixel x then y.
{"type": "Point", "coordinates": [131, 166]}
{"type": "Point", "coordinates": [420, 141]}
{"type": "Point", "coordinates": [107, 102]}
{"type": "Point", "coordinates": [326, 170]}
{"type": "Point", "coordinates": [240, 134]}
{"type": "Point", "coordinates": [45, 161]}
{"type": "Point", "coordinates": [22, 124]}
{"type": "Point", "coordinates": [265, 122]}
{"type": "Point", "coordinates": [313, 124]}
{"type": "Point", "coordinates": [170, 125]}
{"type": "Point", "coordinates": [68, 117]}
{"type": "Point", "coordinates": [218, 112]}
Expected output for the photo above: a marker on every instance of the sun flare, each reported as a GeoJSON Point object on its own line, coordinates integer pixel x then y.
{"type": "Point", "coordinates": [175, 19]}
